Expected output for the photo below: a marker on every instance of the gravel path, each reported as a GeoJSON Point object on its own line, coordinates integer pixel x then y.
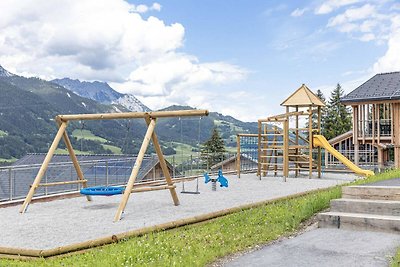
{"type": "Point", "coordinates": [63, 222]}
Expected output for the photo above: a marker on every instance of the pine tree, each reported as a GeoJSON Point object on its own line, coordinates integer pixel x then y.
{"type": "Point", "coordinates": [338, 118]}
{"type": "Point", "coordinates": [213, 149]}
{"type": "Point", "coordinates": [315, 115]}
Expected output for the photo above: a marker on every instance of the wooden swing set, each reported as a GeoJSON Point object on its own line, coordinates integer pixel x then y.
{"type": "Point", "coordinates": [149, 117]}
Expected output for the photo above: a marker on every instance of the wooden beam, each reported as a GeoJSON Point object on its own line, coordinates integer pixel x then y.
{"type": "Point", "coordinates": [259, 150]}
{"type": "Point", "coordinates": [163, 163]}
{"type": "Point", "coordinates": [319, 163]}
{"type": "Point", "coordinates": [44, 166]}
{"type": "Point", "coordinates": [75, 162]}
{"type": "Point", "coordinates": [283, 116]}
{"type": "Point", "coordinates": [135, 170]}
{"type": "Point", "coordinates": [310, 141]}
{"type": "Point", "coordinates": [153, 188]}
{"type": "Point", "coordinates": [63, 183]}
{"type": "Point", "coordinates": [132, 115]}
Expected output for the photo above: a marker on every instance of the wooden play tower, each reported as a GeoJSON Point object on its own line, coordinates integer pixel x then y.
{"type": "Point", "coordinates": [286, 146]}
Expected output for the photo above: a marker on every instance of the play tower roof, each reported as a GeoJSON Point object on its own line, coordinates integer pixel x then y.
{"type": "Point", "coordinates": [303, 97]}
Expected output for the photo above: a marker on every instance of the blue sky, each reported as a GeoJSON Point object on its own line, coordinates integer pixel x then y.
{"type": "Point", "coordinates": [241, 58]}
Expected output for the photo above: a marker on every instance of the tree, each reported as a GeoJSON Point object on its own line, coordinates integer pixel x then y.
{"type": "Point", "coordinates": [323, 113]}
{"type": "Point", "coordinates": [338, 118]}
{"type": "Point", "coordinates": [213, 149]}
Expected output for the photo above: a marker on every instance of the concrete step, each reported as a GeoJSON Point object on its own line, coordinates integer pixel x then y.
{"type": "Point", "coordinates": [368, 206]}
{"type": "Point", "coordinates": [359, 221]}
{"type": "Point", "coordinates": [371, 192]}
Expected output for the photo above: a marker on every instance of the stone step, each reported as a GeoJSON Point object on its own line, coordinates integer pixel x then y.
{"type": "Point", "coordinates": [359, 221]}
{"type": "Point", "coordinates": [371, 192]}
{"type": "Point", "coordinates": [368, 206]}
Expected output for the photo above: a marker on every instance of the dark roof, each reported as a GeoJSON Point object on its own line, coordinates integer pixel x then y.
{"type": "Point", "coordinates": [384, 86]}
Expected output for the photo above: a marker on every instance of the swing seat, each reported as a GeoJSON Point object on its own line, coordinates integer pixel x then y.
{"type": "Point", "coordinates": [102, 191]}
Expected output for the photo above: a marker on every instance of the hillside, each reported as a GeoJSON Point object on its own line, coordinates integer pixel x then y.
{"type": "Point", "coordinates": [28, 106]}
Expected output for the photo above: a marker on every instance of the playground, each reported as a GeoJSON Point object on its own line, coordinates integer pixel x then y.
{"type": "Point", "coordinates": [288, 163]}
{"type": "Point", "coordinates": [74, 222]}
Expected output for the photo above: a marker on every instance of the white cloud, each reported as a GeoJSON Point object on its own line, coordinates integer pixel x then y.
{"type": "Point", "coordinates": [107, 40]}
{"type": "Point", "coordinates": [298, 12]}
{"type": "Point", "coordinates": [391, 60]}
{"type": "Point", "coordinates": [369, 22]}
{"type": "Point", "coordinates": [331, 5]}
{"type": "Point", "coordinates": [144, 8]}
{"type": "Point", "coordinates": [352, 14]}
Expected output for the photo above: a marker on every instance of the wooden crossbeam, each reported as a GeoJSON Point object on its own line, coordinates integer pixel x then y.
{"type": "Point", "coordinates": [63, 183]}
{"type": "Point", "coordinates": [153, 188]}
{"type": "Point", "coordinates": [133, 115]}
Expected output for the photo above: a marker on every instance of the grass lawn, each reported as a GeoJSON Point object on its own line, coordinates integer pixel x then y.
{"type": "Point", "coordinates": [114, 149]}
{"type": "Point", "coordinates": [7, 160]}
{"type": "Point", "coordinates": [65, 152]}
{"type": "Point", "coordinates": [88, 135]}
{"type": "Point", "coordinates": [201, 244]}
{"type": "Point", "coordinates": [396, 259]}
{"type": "Point", "coordinates": [3, 133]}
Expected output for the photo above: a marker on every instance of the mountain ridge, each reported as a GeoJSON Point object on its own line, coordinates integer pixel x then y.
{"type": "Point", "coordinates": [102, 92]}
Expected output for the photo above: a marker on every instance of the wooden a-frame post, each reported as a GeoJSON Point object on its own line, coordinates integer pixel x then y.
{"type": "Point", "coordinates": [62, 133]}
{"type": "Point", "coordinates": [135, 170]}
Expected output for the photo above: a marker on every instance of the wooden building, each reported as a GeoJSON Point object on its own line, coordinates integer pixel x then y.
{"type": "Point", "coordinates": [376, 116]}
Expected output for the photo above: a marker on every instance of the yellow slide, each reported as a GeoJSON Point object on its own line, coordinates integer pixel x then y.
{"type": "Point", "coordinates": [320, 140]}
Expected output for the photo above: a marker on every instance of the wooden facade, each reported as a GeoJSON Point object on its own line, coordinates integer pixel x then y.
{"type": "Point", "coordinates": [376, 116]}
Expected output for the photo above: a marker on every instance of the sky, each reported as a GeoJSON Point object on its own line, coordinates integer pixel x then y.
{"type": "Point", "coordinates": [241, 58]}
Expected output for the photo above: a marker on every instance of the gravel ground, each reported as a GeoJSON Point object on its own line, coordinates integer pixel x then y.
{"type": "Point", "coordinates": [62, 222]}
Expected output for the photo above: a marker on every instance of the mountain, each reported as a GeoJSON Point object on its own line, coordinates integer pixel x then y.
{"type": "Point", "coordinates": [102, 92]}
{"type": "Point", "coordinates": [28, 107]}
{"type": "Point", "coordinates": [5, 73]}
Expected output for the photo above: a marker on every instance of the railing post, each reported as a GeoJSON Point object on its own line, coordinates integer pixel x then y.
{"type": "Point", "coordinates": [46, 181]}
{"type": "Point", "coordinates": [95, 173]}
{"type": "Point", "coordinates": [106, 173]}
{"type": "Point", "coordinates": [173, 166]}
{"type": "Point", "coordinates": [10, 183]}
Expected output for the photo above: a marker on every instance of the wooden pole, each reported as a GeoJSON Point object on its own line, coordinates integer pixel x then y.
{"type": "Point", "coordinates": [310, 142]}
{"type": "Point", "coordinates": [163, 164]}
{"type": "Point", "coordinates": [319, 163]}
{"type": "Point", "coordinates": [75, 162]}
{"type": "Point", "coordinates": [259, 150]}
{"type": "Point", "coordinates": [44, 166]}
{"type": "Point", "coordinates": [132, 115]}
{"type": "Point", "coordinates": [285, 149]}
{"type": "Point", "coordinates": [135, 170]}
{"type": "Point", "coordinates": [265, 151]}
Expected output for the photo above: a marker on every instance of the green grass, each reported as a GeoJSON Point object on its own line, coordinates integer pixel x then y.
{"type": "Point", "coordinates": [114, 149]}
{"type": "Point", "coordinates": [2, 160]}
{"type": "Point", "coordinates": [201, 244]}
{"type": "Point", "coordinates": [395, 262]}
{"type": "Point", "coordinates": [88, 135]}
{"type": "Point", "coordinates": [183, 152]}
{"type": "Point", "coordinates": [3, 133]}
{"type": "Point", "coordinates": [64, 151]}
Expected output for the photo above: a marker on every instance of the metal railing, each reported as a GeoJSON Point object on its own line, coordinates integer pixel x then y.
{"type": "Point", "coordinates": [15, 181]}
